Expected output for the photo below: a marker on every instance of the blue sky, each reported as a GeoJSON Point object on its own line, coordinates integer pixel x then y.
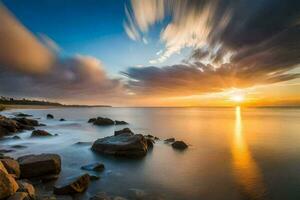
{"type": "Point", "coordinates": [92, 27]}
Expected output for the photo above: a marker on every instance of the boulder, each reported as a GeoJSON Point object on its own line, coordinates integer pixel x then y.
{"type": "Point", "coordinates": [120, 122]}
{"type": "Point", "coordinates": [40, 133]}
{"type": "Point", "coordinates": [39, 165]}
{"type": "Point", "coordinates": [20, 196]}
{"type": "Point", "coordinates": [77, 185]}
{"type": "Point", "coordinates": [170, 140]}
{"type": "Point", "coordinates": [179, 145]}
{"type": "Point", "coordinates": [22, 115]}
{"type": "Point", "coordinates": [12, 167]}
{"type": "Point", "coordinates": [92, 120]}
{"type": "Point", "coordinates": [2, 168]}
{"type": "Point", "coordinates": [100, 121]}
{"type": "Point", "coordinates": [62, 120]}
{"type": "Point", "coordinates": [122, 145]}
{"type": "Point", "coordinates": [27, 188]}
{"type": "Point", "coordinates": [93, 167]}
{"type": "Point", "coordinates": [8, 125]}
{"type": "Point", "coordinates": [27, 124]}
{"type": "Point", "coordinates": [50, 116]}
{"type": "Point", "coordinates": [8, 185]}
{"type": "Point", "coordinates": [124, 131]}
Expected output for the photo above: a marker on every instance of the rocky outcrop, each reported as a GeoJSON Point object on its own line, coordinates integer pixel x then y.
{"type": "Point", "coordinates": [12, 167]}
{"type": "Point", "coordinates": [91, 120]}
{"type": "Point", "coordinates": [37, 133]}
{"type": "Point", "coordinates": [94, 167]}
{"type": "Point", "coordinates": [50, 116]}
{"type": "Point", "coordinates": [170, 140]}
{"type": "Point", "coordinates": [26, 188]}
{"type": "Point", "coordinates": [39, 165]}
{"type": "Point", "coordinates": [8, 185]}
{"type": "Point", "coordinates": [117, 122]}
{"type": "Point", "coordinates": [124, 131]}
{"type": "Point", "coordinates": [100, 121]}
{"type": "Point", "coordinates": [122, 145]}
{"type": "Point", "coordinates": [77, 185]}
{"type": "Point", "coordinates": [179, 145]}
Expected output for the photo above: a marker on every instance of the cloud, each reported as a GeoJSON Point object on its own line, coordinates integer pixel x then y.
{"type": "Point", "coordinates": [32, 68]}
{"type": "Point", "coordinates": [234, 44]}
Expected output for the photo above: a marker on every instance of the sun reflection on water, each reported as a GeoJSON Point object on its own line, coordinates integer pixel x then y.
{"type": "Point", "coordinates": [247, 173]}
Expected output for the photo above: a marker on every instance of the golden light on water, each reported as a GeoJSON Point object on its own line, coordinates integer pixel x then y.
{"type": "Point", "coordinates": [247, 173]}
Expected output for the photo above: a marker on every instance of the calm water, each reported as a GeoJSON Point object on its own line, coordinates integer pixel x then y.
{"type": "Point", "coordinates": [235, 153]}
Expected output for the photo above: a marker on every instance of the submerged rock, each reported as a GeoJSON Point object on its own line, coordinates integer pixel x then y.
{"type": "Point", "coordinates": [94, 167]}
{"type": "Point", "coordinates": [77, 185]}
{"type": "Point", "coordinates": [170, 140]}
{"type": "Point", "coordinates": [62, 120]}
{"type": "Point", "coordinates": [179, 145]}
{"type": "Point", "coordinates": [92, 120]}
{"type": "Point", "coordinates": [100, 121]}
{"type": "Point", "coordinates": [39, 165]}
{"type": "Point", "coordinates": [122, 145]}
{"type": "Point", "coordinates": [36, 133]}
{"type": "Point", "coordinates": [117, 122]}
{"type": "Point", "coordinates": [50, 116]}
{"type": "Point", "coordinates": [124, 131]}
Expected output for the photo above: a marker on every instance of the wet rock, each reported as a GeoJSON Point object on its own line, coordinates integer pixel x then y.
{"type": "Point", "coordinates": [94, 178]}
{"type": "Point", "coordinates": [8, 126]}
{"type": "Point", "coordinates": [18, 146]}
{"type": "Point", "coordinates": [12, 167]}
{"type": "Point", "coordinates": [179, 145]}
{"type": "Point", "coordinates": [94, 167]}
{"type": "Point", "coordinates": [62, 120]}
{"type": "Point", "coordinates": [150, 142]}
{"type": "Point", "coordinates": [170, 140]}
{"type": "Point", "coordinates": [27, 188]}
{"type": "Point", "coordinates": [92, 120]}
{"type": "Point", "coordinates": [50, 116]}
{"type": "Point", "coordinates": [2, 168]}
{"type": "Point", "coordinates": [42, 124]}
{"type": "Point", "coordinates": [124, 131]}
{"type": "Point", "coordinates": [27, 123]}
{"type": "Point", "coordinates": [20, 196]}
{"type": "Point", "coordinates": [122, 145]}
{"type": "Point", "coordinates": [39, 165]}
{"type": "Point", "coordinates": [100, 121]}
{"type": "Point", "coordinates": [36, 133]}
{"type": "Point", "coordinates": [77, 185]}
{"type": "Point", "coordinates": [120, 122]}
{"type": "Point", "coordinates": [83, 143]}
{"type": "Point", "coordinates": [23, 115]}
{"type": "Point", "coordinates": [8, 185]}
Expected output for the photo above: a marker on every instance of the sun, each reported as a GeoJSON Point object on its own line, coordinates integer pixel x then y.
{"type": "Point", "coordinates": [238, 98]}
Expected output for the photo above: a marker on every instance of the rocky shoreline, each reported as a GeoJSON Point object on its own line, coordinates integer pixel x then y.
{"type": "Point", "coordinates": [18, 175]}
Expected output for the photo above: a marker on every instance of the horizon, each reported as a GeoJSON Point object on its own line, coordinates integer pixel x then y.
{"type": "Point", "coordinates": [151, 53]}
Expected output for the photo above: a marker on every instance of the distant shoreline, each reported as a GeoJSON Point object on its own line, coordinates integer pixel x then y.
{"type": "Point", "coordinates": [19, 106]}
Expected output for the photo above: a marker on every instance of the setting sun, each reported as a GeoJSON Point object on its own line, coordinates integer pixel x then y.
{"type": "Point", "coordinates": [237, 98]}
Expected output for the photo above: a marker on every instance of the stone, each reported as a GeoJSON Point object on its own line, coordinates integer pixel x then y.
{"type": "Point", "coordinates": [120, 122]}
{"type": "Point", "coordinates": [27, 123]}
{"type": "Point", "coordinates": [78, 185]}
{"type": "Point", "coordinates": [12, 167]}
{"type": "Point", "coordinates": [26, 187]}
{"type": "Point", "coordinates": [122, 145]}
{"type": "Point", "coordinates": [39, 165]}
{"type": "Point", "coordinates": [100, 121]}
{"type": "Point", "coordinates": [50, 116]}
{"type": "Point", "coordinates": [124, 131]}
{"type": "Point", "coordinates": [92, 120]}
{"type": "Point", "coordinates": [94, 178]}
{"type": "Point", "coordinates": [20, 196]}
{"type": "Point", "coordinates": [170, 140]}
{"type": "Point", "coordinates": [94, 167]}
{"type": "Point", "coordinates": [36, 133]}
{"type": "Point", "coordinates": [179, 145]}
{"type": "Point", "coordinates": [8, 185]}
{"type": "Point", "coordinates": [18, 146]}
{"type": "Point", "coordinates": [62, 119]}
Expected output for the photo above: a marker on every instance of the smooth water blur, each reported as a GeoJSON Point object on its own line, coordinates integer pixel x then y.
{"type": "Point", "coordinates": [234, 153]}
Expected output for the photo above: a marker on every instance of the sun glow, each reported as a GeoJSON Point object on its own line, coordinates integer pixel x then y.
{"type": "Point", "coordinates": [237, 98]}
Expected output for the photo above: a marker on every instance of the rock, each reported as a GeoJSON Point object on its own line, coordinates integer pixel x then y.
{"type": "Point", "coordinates": [2, 168]}
{"type": "Point", "coordinates": [83, 143]}
{"type": "Point", "coordinates": [62, 119]}
{"type": "Point", "coordinates": [40, 133]}
{"type": "Point", "coordinates": [16, 137]}
{"type": "Point", "coordinates": [124, 131]}
{"type": "Point", "coordinates": [94, 178]}
{"type": "Point", "coordinates": [94, 167]}
{"type": "Point", "coordinates": [20, 196]}
{"type": "Point", "coordinates": [8, 125]}
{"type": "Point", "coordinates": [8, 185]}
{"type": "Point", "coordinates": [12, 167]}
{"type": "Point", "coordinates": [179, 145]}
{"type": "Point", "coordinates": [92, 120]}
{"type": "Point", "coordinates": [50, 116]}
{"type": "Point", "coordinates": [77, 185]}
{"type": "Point", "coordinates": [120, 122]}
{"type": "Point", "coordinates": [150, 142]}
{"type": "Point", "coordinates": [39, 165]}
{"type": "Point", "coordinates": [23, 115]}
{"type": "Point", "coordinates": [27, 123]}
{"type": "Point", "coordinates": [100, 121]}
{"type": "Point", "coordinates": [42, 124]}
{"type": "Point", "coordinates": [122, 145]}
{"type": "Point", "coordinates": [26, 187]}
{"type": "Point", "coordinates": [170, 140]}
{"type": "Point", "coordinates": [18, 146]}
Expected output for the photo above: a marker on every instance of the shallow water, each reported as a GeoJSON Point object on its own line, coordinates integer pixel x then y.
{"type": "Point", "coordinates": [234, 153]}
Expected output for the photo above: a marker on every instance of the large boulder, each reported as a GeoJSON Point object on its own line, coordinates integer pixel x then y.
{"type": "Point", "coordinates": [27, 122]}
{"type": "Point", "coordinates": [12, 167]}
{"type": "Point", "coordinates": [8, 125]}
{"type": "Point", "coordinates": [179, 145]}
{"type": "Point", "coordinates": [122, 145]}
{"type": "Point", "coordinates": [101, 121]}
{"type": "Point", "coordinates": [124, 131]}
{"type": "Point", "coordinates": [39, 165]}
{"type": "Point", "coordinates": [8, 185]}
{"type": "Point", "coordinates": [37, 133]}
{"type": "Point", "coordinates": [76, 185]}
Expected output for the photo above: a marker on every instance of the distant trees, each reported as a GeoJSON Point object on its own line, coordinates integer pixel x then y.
{"type": "Point", "coordinates": [9, 101]}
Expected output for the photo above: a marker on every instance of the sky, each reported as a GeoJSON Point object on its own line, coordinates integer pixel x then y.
{"type": "Point", "coordinates": [151, 52]}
